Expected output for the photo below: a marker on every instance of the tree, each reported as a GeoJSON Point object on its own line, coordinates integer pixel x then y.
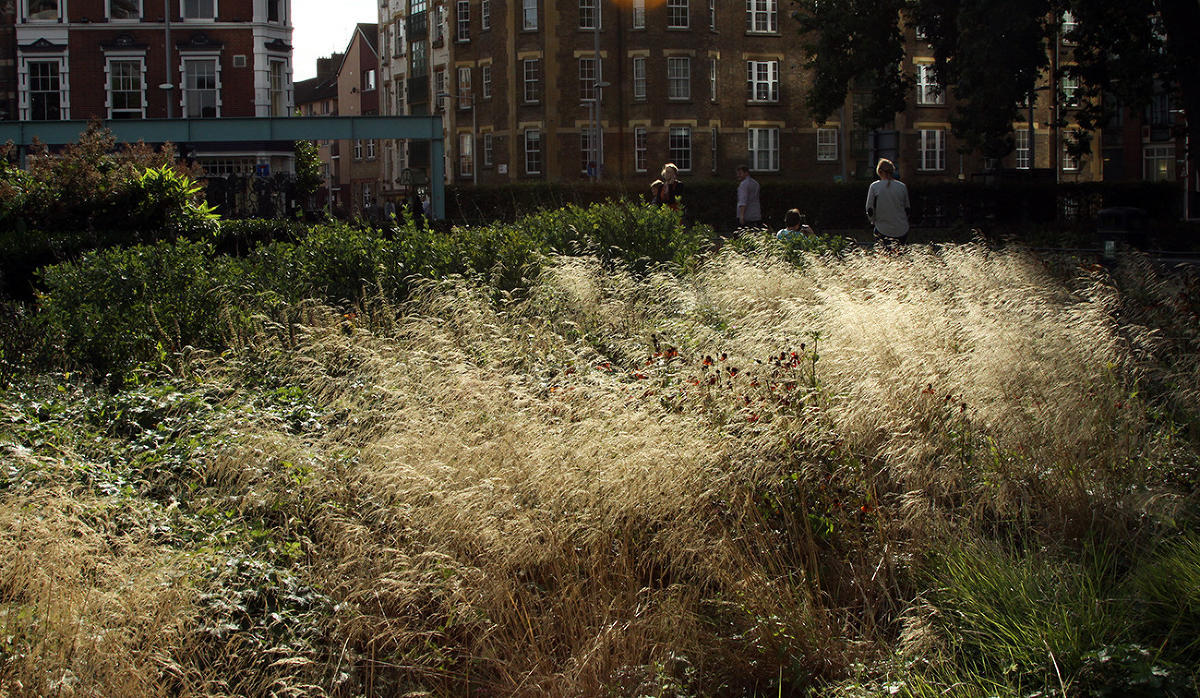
{"type": "Point", "coordinates": [993, 55]}
{"type": "Point", "coordinates": [308, 168]}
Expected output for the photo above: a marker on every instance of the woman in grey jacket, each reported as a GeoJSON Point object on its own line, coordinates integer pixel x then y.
{"type": "Point", "coordinates": [887, 205]}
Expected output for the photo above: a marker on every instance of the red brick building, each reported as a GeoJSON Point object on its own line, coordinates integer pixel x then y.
{"type": "Point", "coordinates": [122, 59]}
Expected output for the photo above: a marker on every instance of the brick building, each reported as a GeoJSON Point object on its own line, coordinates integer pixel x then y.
{"type": "Point", "coordinates": [318, 96]}
{"type": "Point", "coordinates": [121, 59]}
{"type": "Point", "coordinates": [8, 59]}
{"type": "Point", "coordinates": [704, 84]}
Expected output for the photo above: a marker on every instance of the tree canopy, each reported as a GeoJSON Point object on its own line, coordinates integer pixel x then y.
{"type": "Point", "coordinates": [993, 55]}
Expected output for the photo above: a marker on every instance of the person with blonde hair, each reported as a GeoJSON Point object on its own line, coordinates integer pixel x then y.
{"type": "Point", "coordinates": [888, 206]}
{"type": "Point", "coordinates": [670, 194]}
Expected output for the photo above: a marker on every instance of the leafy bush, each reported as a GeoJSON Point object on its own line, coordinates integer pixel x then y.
{"type": "Point", "coordinates": [114, 308]}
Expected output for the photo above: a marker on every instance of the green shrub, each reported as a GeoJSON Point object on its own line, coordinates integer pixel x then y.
{"type": "Point", "coordinates": [112, 309]}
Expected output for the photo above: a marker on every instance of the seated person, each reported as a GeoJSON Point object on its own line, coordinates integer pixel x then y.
{"type": "Point", "coordinates": [795, 225]}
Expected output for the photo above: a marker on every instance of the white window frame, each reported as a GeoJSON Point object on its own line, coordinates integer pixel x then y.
{"type": "Point", "coordinates": [488, 149]}
{"type": "Point", "coordinates": [110, 92]}
{"type": "Point", "coordinates": [485, 15]}
{"type": "Point", "coordinates": [370, 148]}
{"type": "Point", "coordinates": [184, 60]}
{"type": "Point", "coordinates": [589, 75]}
{"type": "Point", "coordinates": [762, 148]}
{"type": "Point", "coordinates": [712, 15]}
{"type": "Point", "coordinates": [762, 82]}
{"type": "Point", "coordinates": [531, 70]}
{"type": "Point", "coordinates": [358, 149]}
{"type": "Point", "coordinates": [60, 10]}
{"type": "Point", "coordinates": [679, 147]}
{"type": "Point", "coordinates": [533, 151]}
{"type": "Point", "coordinates": [279, 89]}
{"type": "Point", "coordinates": [529, 15]}
{"type": "Point", "coordinates": [366, 194]}
{"type": "Point", "coordinates": [639, 14]}
{"type": "Point", "coordinates": [640, 149]}
{"type": "Point", "coordinates": [1153, 156]}
{"type": "Point", "coordinates": [466, 164]}
{"type": "Point", "coordinates": [437, 24]}
{"type": "Point", "coordinates": [827, 144]}
{"type": "Point", "coordinates": [639, 78]}
{"type": "Point", "coordinates": [679, 78]}
{"type": "Point", "coordinates": [206, 18]}
{"type": "Point", "coordinates": [929, 91]}
{"type": "Point", "coordinates": [585, 148]}
{"type": "Point", "coordinates": [26, 96]}
{"type": "Point", "coordinates": [109, 16]}
{"type": "Point", "coordinates": [932, 150]}
{"type": "Point", "coordinates": [398, 36]}
{"type": "Point", "coordinates": [762, 16]}
{"type": "Point", "coordinates": [1069, 162]}
{"type": "Point", "coordinates": [465, 90]}
{"type": "Point", "coordinates": [678, 14]}
{"type": "Point", "coordinates": [1021, 141]}
{"type": "Point", "coordinates": [462, 21]}
{"type": "Point", "coordinates": [1069, 88]}
{"type": "Point", "coordinates": [589, 15]}
{"type": "Point", "coordinates": [485, 80]}
{"type": "Point", "coordinates": [712, 79]}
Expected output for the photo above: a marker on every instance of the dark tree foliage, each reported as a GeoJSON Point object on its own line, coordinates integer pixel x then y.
{"type": "Point", "coordinates": [994, 54]}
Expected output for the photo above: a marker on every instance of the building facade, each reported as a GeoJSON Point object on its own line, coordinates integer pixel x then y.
{"type": "Point", "coordinates": [705, 84]}
{"type": "Point", "coordinates": [126, 59]}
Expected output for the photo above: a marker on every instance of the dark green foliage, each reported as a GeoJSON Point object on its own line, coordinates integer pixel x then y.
{"type": "Point", "coordinates": [308, 169]}
{"type": "Point", "coordinates": [111, 309]}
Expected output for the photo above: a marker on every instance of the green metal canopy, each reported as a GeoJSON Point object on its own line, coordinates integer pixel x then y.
{"type": "Point", "coordinates": [225, 130]}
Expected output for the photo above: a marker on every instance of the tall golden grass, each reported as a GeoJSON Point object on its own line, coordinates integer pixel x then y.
{"type": "Point", "coordinates": [554, 496]}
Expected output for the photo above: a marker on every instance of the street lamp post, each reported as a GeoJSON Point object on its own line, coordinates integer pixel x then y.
{"type": "Point", "coordinates": [474, 145]}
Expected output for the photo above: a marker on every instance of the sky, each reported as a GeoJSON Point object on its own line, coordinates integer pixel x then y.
{"type": "Point", "coordinates": [321, 27]}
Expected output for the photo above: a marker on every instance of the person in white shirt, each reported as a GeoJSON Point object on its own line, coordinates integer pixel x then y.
{"type": "Point", "coordinates": [888, 206]}
{"type": "Point", "coordinates": [749, 211]}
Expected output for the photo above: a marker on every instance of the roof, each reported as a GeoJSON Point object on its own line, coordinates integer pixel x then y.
{"type": "Point", "coordinates": [315, 89]}
{"type": "Point", "coordinates": [371, 34]}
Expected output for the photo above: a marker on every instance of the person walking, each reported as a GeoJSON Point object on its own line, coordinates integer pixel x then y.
{"type": "Point", "coordinates": [749, 210]}
{"type": "Point", "coordinates": [670, 194]}
{"type": "Point", "coordinates": [888, 206]}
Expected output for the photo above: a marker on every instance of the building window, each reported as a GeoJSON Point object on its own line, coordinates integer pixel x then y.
{"type": "Point", "coordinates": [1070, 91]}
{"type": "Point", "coordinates": [398, 36]}
{"type": "Point", "coordinates": [762, 81]}
{"type": "Point", "coordinates": [126, 97]}
{"type": "Point", "coordinates": [588, 77]}
{"type": "Point", "coordinates": [827, 144]}
{"type": "Point", "coordinates": [1070, 161]}
{"type": "Point", "coordinates": [398, 91]}
{"type": "Point", "coordinates": [712, 79]}
{"type": "Point", "coordinates": [533, 80]}
{"type": "Point", "coordinates": [275, 10]}
{"type": "Point", "coordinates": [639, 14]}
{"type": "Point", "coordinates": [199, 9]}
{"type": "Point", "coordinates": [366, 194]}
{"type": "Point", "coordinates": [45, 91]}
{"type": "Point", "coordinates": [124, 9]}
{"type": "Point", "coordinates": [933, 150]}
{"type": "Point", "coordinates": [589, 155]}
{"type": "Point", "coordinates": [200, 88]}
{"type": "Point", "coordinates": [1158, 163]}
{"type": "Point", "coordinates": [370, 148]}
{"type": "Point", "coordinates": [439, 85]}
{"type": "Point", "coordinates": [488, 151]}
{"type": "Point", "coordinates": [464, 88]}
{"type": "Point", "coordinates": [417, 6]}
{"type": "Point", "coordinates": [466, 164]}
{"type": "Point", "coordinates": [278, 88]}
{"type": "Point", "coordinates": [589, 17]}
{"type": "Point", "coordinates": [1021, 142]}
{"type": "Point", "coordinates": [437, 25]}
{"type": "Point", "coordinates": [639, 78]}
{"type": "Point", "coordinates": [1069, 25]}
{"type": "Point", "coordinates": [928, 89]}
{"type": "Point", "coordinates": [712, 15]}
{"type": "Point", "coordinates": [358, 149]}
{"type": "Point", "coordinates": [43, 10]}
{"type": "Point", "coordinates": [639, 149]}
{"type": "Point", "coordinates": [533, 151]}
{"type": "Point", "coordinates": [462, 31]}
{"type": "Point", "coordinates": [485, 77]}
{"type": "Point", "coordinates": [763, 149]}
{"type": "Point", "coordinates": [485, 15]}
{"type": "Point", "coordinates": [368, 80]}
{"type": "Point", "coordinates": [677, 14]}
{"type": "Point", "coordinates": [679, 147]}
{"type": "Point", "coordinates": [529, 15]}
{"type": "Point", "coordinates": [712, 147]}
{"type": "Point", "coordinates": [420, 57]}
{"type": "Point", "coordinates": [679, 77]}
{"type": "Point", "coordinates": [761, 16]}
